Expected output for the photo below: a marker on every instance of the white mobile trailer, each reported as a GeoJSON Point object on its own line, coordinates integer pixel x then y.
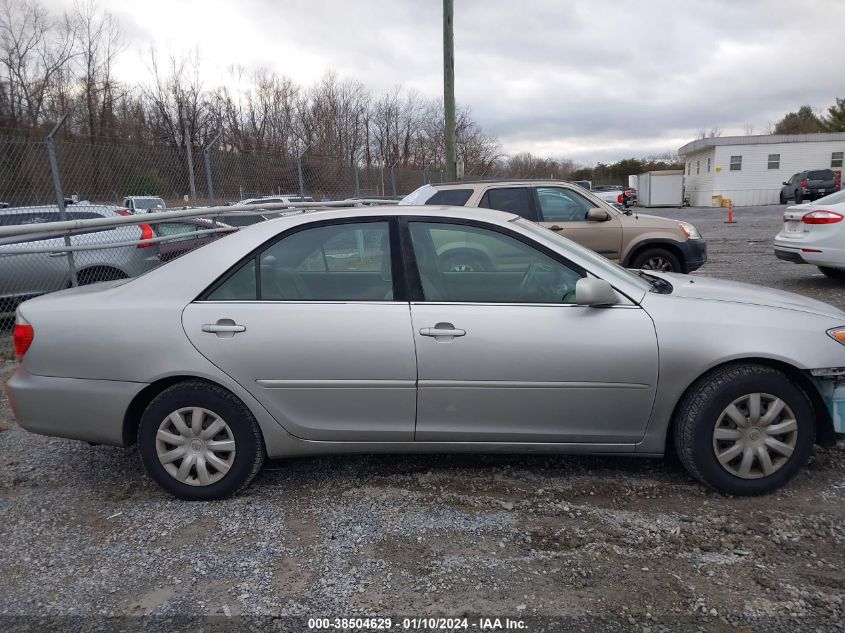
{"type": "Point", "coordinates": [663, 188]}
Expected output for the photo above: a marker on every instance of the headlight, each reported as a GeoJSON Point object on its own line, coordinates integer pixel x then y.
{"type": "Point", "coordinates": [690, 231]}
{"type": "Point", "coordinates": [837, 334]}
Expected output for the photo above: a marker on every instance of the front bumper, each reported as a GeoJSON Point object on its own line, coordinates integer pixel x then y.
{"type": "Point", "coordinates": [75, 408]}
{"type": "Point", "coordinates": [694, 254]}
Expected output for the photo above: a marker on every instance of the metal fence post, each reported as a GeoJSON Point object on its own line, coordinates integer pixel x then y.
{"type": "Point", "coordinates": [357, 184]}
{"type": "Point", "coordinates": [393, 177]}
{"type": "Point", "coordinates": [60, 196]}
{"type": "Point", "coordinates": [189, 155]}
{"type": "Point", "coordinates": [299, 170]}
{"type": "Point", "coordinates": [425, 174]}
{"type": "Point", "coordinates": [207, 157]}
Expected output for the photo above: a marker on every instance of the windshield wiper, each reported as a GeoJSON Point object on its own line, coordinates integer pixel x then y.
{"type": "Point", "coordinates": [658, 285]}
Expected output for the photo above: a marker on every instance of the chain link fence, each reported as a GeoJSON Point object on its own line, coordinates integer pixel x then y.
{"type": "Point", "coordinates": [49, 180]}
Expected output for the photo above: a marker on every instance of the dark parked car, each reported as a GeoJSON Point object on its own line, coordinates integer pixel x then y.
{"type": "Point", "coordinates": [185, 236]}
{"type": "Point", "coordinates": [808, 185]}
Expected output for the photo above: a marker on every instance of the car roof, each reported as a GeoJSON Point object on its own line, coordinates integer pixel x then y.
{"type": "Point", "coordinates": [520, 182]}
{"type": "Point", "coordinates": [460, 213]}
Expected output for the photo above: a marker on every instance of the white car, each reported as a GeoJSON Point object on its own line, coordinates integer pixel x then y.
{"type": "Point", "coordinates": [814, 233]}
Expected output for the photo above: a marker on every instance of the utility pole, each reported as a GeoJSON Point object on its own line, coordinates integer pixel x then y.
{"type": "Point", "coordinates": [449, 88]}
{"type": "Point", "coordinates": [189, 154]}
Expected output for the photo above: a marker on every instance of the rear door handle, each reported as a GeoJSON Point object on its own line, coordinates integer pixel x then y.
{"type": "Point", "coordinates": [555, 227]}
{"type": "Point", "coordinates": [224, 328]}
{"type": "Point", "coordinates": [443, 330]}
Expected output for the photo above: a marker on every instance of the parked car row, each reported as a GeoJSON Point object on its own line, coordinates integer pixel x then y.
{"type": "Point", "coordinates": [46, 269]}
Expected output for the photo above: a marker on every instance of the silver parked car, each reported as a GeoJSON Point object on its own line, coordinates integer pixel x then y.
{"type": "Point", "coordinates": [337, 331]}
{"type": "Point", "coordinates": [27, 275]}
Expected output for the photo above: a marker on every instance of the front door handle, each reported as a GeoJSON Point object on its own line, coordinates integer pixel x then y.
{"type": "Point", "coordinates": [555, 227]}
{"type": "Point", "coordinates": [443, 331]}
{"type": "Point", "coordinates": [224, 328]}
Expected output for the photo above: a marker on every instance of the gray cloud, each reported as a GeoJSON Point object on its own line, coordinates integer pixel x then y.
{"type": "Point", "coordinates": [591, 80]}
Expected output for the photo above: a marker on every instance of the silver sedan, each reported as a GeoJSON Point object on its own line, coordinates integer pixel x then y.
{"type": "Point", "coordinates": [344, 331]}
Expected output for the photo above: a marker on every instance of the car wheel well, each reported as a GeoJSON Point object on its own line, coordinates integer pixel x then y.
{"type": "Point", "coordinates": [825, 435]}
{"type": "Point", "coordinates": [136, 408]}
{"type": "Point", "coordinates": [666, 245]}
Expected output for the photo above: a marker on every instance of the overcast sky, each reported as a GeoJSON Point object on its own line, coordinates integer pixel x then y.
{"type": "Point", "coordinates": [587, 80]}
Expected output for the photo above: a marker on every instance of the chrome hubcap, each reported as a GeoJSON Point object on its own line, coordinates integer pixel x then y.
{"type": "Point", "coordinates": [657, 263]}
{"type": "Point", "coordinates": [755, 435]}
{"type": "Point", "coordinates": [195, 446]}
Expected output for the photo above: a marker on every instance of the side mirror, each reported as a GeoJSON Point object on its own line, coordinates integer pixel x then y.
{"type": "Point", "coordinates": [595, 292]}
{"type": "Point", "coordinates": [597, 215]}
{"type": "Point", "coordinates": [785, 183]}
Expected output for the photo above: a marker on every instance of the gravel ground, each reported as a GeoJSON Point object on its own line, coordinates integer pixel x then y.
{"type": "Point", "coordinates": [599, 544]}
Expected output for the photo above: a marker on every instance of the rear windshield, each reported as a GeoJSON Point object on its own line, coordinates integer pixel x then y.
{"type": "Point", "coordinates": [450, 197]}
{"type": "Point", "coordinates": [820, 174]}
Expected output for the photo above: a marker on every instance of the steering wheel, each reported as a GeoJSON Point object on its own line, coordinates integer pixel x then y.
{"type": "Point", "coordinates": [528, 278]}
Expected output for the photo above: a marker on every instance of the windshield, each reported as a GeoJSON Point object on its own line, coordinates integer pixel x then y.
{"type": "Point", "coordinates": [419, 196]}
{"type": "Point", "coordinates": [149, 203]}
{"type": "Point", "coordinates": [598, 265]}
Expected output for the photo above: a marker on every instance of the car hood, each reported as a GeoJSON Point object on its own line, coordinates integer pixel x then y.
{"type": "Point", "coordinates": [645, 220]}
{"type": "Point", "coordinates": [696, 287]}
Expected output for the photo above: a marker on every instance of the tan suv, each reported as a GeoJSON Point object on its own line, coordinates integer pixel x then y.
{"type": "Point", "coordinates": [634, 240]}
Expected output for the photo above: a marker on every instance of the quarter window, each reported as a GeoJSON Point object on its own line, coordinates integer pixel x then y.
{"type": "Point", "coordinates": [836, 159]}
{"type": "Point", "coordinates": [342, 262]}
{"type": "Point", "coordinates": [562, 205]}
{"type": "Point", "coordinates": [774, 161]}
{"type": "Point", "coordinates": [469, 264]}
{"type": "Point", "coordinates": [511, 199]}
{"type": "Point", "coordinates": [736, 163]}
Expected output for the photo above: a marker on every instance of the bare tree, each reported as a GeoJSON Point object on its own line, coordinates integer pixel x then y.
{"type": "Point", "coordinates": [34, 51]}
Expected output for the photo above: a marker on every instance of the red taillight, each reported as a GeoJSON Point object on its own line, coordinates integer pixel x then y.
{"type": "Point", "coordinates": [23, 338]}
{"type": "Point", "coordinates": [822, 217]}
{"type": "Point", "coordinates": [146, 234]}
{"type": "Point", "coordinates": [803, 184]}
{"type": "Point", "coordinates": [123, 212]}
{"type": "Point", "coordinates": [620, 198]}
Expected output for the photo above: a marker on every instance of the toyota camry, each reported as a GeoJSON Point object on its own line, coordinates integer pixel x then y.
{"type": "Point", "coordinates": [343, 331]}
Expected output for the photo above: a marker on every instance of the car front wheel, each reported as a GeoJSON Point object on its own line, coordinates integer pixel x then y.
{"type": "Point", "coordinates": [200, 442]}
{"type": "Point", "coordinates": [658, 259]}
{"type": "Point", "coordinates": [744, 429]}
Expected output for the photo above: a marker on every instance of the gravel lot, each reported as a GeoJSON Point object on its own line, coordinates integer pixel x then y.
{"type": "Point", "coordinates": [602, 544]}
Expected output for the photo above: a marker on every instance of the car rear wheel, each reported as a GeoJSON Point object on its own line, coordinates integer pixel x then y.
{"type": "Point", "coordinates": [744, 429]}
{"type": "Point", "coordinates": [200, 442]}
{"type": "Point", "coordinates": [833, 273]}
{"type": "Point", "coordinates": [658, 259]}
{"type": "Point", "coordinates": [799, 197]}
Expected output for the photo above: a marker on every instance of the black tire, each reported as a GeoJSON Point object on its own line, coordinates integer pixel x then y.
{"type": "Point", "coordinates": [93, 275]}
{"type": "Point", "coordinates": [833, 273]}
{"type": "Point", "coordinates": [249, 442]}
{"type": "Point", "coordinates": [643, 259]}
{"type": "Point", "coordinates": [463, 261]}
{"type": "Point", "coordinates": [782, 198]}
{"type": "Point", "coordinates": [799, 196]}
{"type": "Point", "coordinates": [703, 404]}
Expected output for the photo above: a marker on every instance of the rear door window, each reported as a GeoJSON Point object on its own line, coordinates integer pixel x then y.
{"type": "Point", "coordinates": [511, 199]}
